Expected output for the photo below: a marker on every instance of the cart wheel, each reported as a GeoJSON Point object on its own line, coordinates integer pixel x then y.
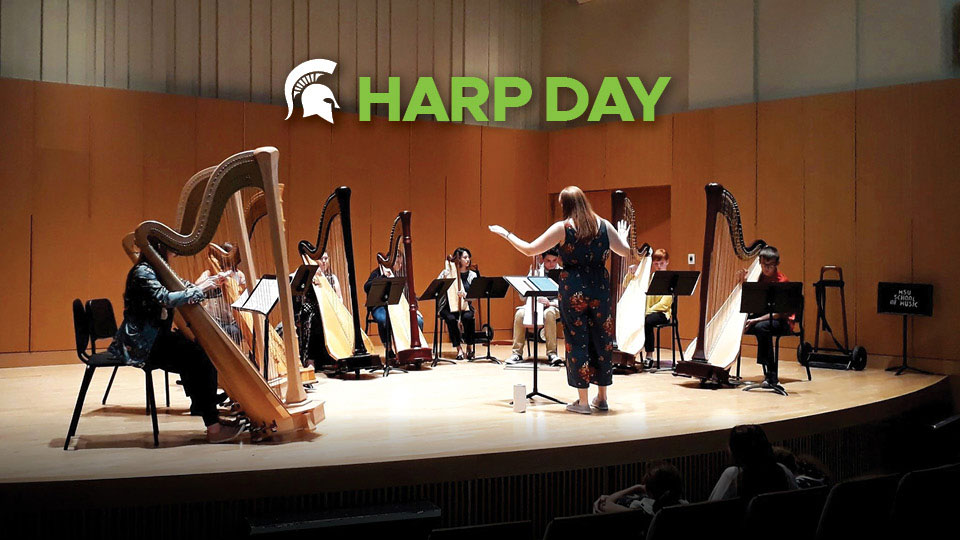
{"type": "Point", "coordinates": [858, 358]}
{"type": "Point", "coordinates": [542, 335]}
{"type": "Point", "coordinates": [803, 353]}
{"type": "Point", "coordinates": [487, 331]}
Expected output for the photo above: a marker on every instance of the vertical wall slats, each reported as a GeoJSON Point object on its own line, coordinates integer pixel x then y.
{"type": "Point", "coordinates": [358, 56]}
{"type": "Point", "coordinates": [281, 52]}
{"type": "Point", "coordinates": [260, 74]}
{"type": "Point", "coordinates": [243, 49]}
{"type": "Point", "coordinates": [53, 51]}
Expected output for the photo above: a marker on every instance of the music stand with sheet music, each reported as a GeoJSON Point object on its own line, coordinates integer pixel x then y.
{"type": "Point", "coordinates": [262, 300]}
{"type": "Point", "coordinates": [673, 283]}
{"type": "Point", "coordinates": [487, 287]}
{"type": "Point", "coordinates": [436, 291]}
{"type": "Point", "coordinates": [771, 298]}
{"type": "Point", "coordinates": [535, 287]}
{"type": "Point", "coordinates": [386, 292]}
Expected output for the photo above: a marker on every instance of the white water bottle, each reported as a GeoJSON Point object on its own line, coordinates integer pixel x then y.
{"type": "Point", "coordinates": [519, 398]}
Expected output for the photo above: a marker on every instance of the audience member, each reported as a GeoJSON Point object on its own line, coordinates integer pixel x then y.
{"type": "Point", "coordinates": [754, 470]}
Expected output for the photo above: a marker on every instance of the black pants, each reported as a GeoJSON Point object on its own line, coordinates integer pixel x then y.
{"type": "Point", "coordinates": [172, 351]}
{"type": "Point", "coordinates": [469, 325]}
{"type": "Point", "coordinates": [765, 332]}
{"type": "Point", "coordinates": [652, 319]}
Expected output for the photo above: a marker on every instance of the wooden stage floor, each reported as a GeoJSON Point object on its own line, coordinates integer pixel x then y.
{"type": "Point", "coordinates": [458, 418]}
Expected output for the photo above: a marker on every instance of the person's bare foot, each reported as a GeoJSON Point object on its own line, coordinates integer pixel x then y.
{"type": "Point", "coordinates": [221, 433]}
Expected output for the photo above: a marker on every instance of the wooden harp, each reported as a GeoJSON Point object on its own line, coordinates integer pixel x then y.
{"type": "Point", "coordinates": [339, 342]}
{"type": "Point", "coordinates": [408, 339]}
{"type": "Point", "coordinates": [727, 263]}
{"type": "Point", "coordinates": [266, 412]}
{"type": "Point", "coordinates": [254, 212]}
{"type": "Point", "coordinates": [629, 279]}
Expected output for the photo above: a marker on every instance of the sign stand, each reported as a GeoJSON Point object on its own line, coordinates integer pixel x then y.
{"type": "Point", "coordinates": [905, 299]}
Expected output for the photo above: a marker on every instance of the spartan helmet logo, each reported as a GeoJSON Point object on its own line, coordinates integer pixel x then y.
{"type": "Point", "coordinates": [302, 86]}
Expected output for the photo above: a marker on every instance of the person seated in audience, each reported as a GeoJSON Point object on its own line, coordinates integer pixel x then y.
{"type": "Point", "coordinates": [764, 326]}
{"type": "Point", "coordinates": [754, 470]}
{"type": "Point", "coordinates": [662, 486]}
{"type": "Point", "coordinates": [811, 472]}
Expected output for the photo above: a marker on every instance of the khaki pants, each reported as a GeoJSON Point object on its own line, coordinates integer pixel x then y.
{"type": "Point", "coordinates": [550, 316]}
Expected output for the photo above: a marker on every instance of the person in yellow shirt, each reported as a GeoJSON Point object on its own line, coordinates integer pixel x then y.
{"type": "Point", "coordinates": [658, 307]}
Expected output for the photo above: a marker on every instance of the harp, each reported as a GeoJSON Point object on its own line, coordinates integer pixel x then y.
{"type": "Point", "coordinates": [256, 169]}
{"type": "Point", "coordinates": [408, 339]}
{"type": "Point", "coordinates": [454, 300]}
{"type": "Point", "coordinates": [254, 211]}
{"type": "Point", "coordinates": [727, 263]}
{"type": "Point", "coordinates": [629, 279]}
{"type": "Point", "coordinates": [337, 341]}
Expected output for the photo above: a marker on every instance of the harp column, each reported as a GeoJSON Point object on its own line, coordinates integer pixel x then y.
{"type": "Point", "coordinates": [268, 159]}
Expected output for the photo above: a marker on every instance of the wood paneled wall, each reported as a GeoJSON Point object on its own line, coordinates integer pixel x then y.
{"type": "Point", "coordinates": [85, 165]}
{"type": "Point", "coordinates": [243, 49]}
{"type": "Point", "coordinates": [863, 180]}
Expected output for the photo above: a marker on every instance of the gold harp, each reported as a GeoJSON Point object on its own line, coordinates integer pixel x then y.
{"type": "Point", "coordinates": [727, 263]}
{"type": "Point", "coordinates": [337, 341]}
{"type": "Point", "coordinates": [629, 279]}
{"type": "Point", "coordinates": [266, 411]}
{"type": "Point", "coordinates": [408, 339]}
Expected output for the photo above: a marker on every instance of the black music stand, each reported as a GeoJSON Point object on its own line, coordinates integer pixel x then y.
{"type": "Point", "coordinates": [262, 300]}
{"type": "Point", "coordinates": [436, 291]}
{"type": "Point", "coordinates": [487, 287]}
{"type": "Point", "coordinates": [386, 292]}
{"type": "Point", "coordinates": [535, 287]}
{"type": "Point", "coordinates": [673, 283]}
{"type": "Point", "coordinates": [771, 298]}
{"type": "Point", "coordinates": [906, 299]}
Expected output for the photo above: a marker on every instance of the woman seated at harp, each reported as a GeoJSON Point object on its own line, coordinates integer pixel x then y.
{"type": "Point", "coordinates": [455, 308]}
{"type": "Point", "coordinates": [324, 272]}
{"type": "Point", "coordinates": [379, 313]}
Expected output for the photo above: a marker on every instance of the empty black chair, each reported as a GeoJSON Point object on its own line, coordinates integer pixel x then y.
{"type": "Point", "coordinates": [620, 525]}
{"type": "Point", "coordinates": [513, 530]}
{"type": "Point", "coordinates": [81, 328]}
{"type": "Point", "coordinates": [925, 502]}
{"type": "Point", "coordinates": [103, 325]}
{"type": "Point", "coordinates": [786, 515]}
{"type": "Point", "coordinates": [858, 509]}
{"type": "Point", "coordinates": [712, 519]}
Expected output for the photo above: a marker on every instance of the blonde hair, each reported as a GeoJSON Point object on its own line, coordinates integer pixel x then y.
{"type": "Point", "coordinates": [660, 255]}
{"type": "Point", "coordinates": [577, 208]}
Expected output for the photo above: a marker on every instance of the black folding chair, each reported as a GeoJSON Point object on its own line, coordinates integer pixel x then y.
{"type": "Point", "coordinates": [93, 360]}
{"type": "Point", "coordinates": [103, 325]}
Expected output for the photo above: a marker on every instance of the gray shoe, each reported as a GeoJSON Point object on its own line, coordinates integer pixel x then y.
{"type": "Point", "coordinates": [578, 408]}
{"type": "Point", "coordinates": [554, 360]}
{"type": "Point", "coordinates": [600, 405]}
{"type": "Point", "coordinates": [515, 359]}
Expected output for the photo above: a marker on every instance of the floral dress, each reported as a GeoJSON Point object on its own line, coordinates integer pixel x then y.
{"type": "Point", "coordinates": [588, 326]}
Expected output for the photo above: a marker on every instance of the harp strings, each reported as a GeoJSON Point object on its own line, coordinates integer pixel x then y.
{"type": "Point", "coordinates": [336, 251]}
{"type": "Point", "coordinates": [727, 267]}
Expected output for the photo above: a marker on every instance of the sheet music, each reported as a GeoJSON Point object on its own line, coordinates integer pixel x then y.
{"type": "Point", "coordinates": [241, 300]}
{"type": "Point", "coordinates": [265, 295]}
